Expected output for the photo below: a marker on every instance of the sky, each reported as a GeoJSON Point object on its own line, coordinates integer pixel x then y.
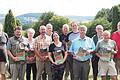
{"type": "Point", "coordinates": [59, 7]}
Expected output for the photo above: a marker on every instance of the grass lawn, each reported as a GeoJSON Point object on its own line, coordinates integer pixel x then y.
{"type": "Point", "coordinates": [90, 76]}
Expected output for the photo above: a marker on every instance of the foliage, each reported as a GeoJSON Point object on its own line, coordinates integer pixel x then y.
{"type": "Point", "coordinates": [26, 26]}
{"type": "Point", "coordinates": [100, 21]}
{"type": "Point", "coordinates": [10, 23]}
{"type": "Point", "coordinates": [58, 22]}
{"type": "Point", "coordinates": [103, 13]}
{"type": "Point", "coordinates": [112, 15]}
{"type": "Point", "coordinates": [115, 17]}
{"type": "Point", "coordinates": [18, 23]}
{"type": "Point", "coordinates": [44, 19]}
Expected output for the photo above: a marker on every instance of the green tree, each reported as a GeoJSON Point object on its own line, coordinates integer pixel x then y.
{"type": "Point", "coordinates": [36, 28]}
{"type": "Point", "coordinates": [43, 20]}
{"type": "Point", "coordinates": [58, 21]}
{"type": "Point", "coordinates": [10, 23]}
{"type": "Point", "coordinates": [115, 17]}
{"type": "Point", "coordinates": [18, 23]}
{"type": "Point", "coordinates": [45, 17]}
{"type": "Point", "coordinates": [100, 21]}
{"type": "Point", "coordinates": [103, 13]}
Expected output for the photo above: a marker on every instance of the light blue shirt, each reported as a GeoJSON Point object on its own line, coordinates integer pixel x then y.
{"type": "Point", "coordinates": [86, 43]}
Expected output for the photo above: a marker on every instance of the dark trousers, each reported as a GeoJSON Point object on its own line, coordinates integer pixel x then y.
{"type": "Point", "coordinates": [81, 69]}
{"type": "Point", "coordinates": [30, 67]}
{"type": "Point", "coordinates": [57, 72]}
{"type": "Point", "coordinates": [95, 60]}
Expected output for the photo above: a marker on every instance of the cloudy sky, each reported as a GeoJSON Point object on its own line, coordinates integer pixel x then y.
{"type": "Point", "coordinates": [60, 7]}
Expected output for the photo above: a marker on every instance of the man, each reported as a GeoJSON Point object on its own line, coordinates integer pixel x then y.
{"type": "Point", "coordinates": [116, 37]}
{"type": "Point", "coordinates": [16, 50]}
{"type": "Point", "coordinates": [95, 59]}
{"type": "Point", "coordinates": [41, 46]}
{"type": "Point", "coordinates": [65, 30]}
{"type": "Point", "coordinates": [70, 37]}
{"type": "Point", "coordinates": [81, 48]}
{"type": "Point", "coordinates": [49, 29]}
{"type": "Point", "coordinates": [105, 50]}
{"type": "Point", "coordinates": [3, 54]}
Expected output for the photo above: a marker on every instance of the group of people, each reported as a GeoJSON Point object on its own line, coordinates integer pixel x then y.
{"type": "Point", "coordinates": [56, 56]}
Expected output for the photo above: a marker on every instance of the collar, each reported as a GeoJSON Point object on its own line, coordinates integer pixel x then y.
{"type": "Point", "coordinates": [83, 39]}
{"type": "Point", "coordinates": [41, 37]}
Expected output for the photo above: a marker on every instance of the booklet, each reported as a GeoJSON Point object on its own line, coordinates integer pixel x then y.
{"type": "Point", "coordinates": [81, 52]}
{"type": "Point", "coordinates": [106, 54]}
{"type": "Point", "coordinates": [44, 52]}
{"type": "Point", "coordinates": [58, 56]}
{"type": "Point", "coordinates": [21, 58]}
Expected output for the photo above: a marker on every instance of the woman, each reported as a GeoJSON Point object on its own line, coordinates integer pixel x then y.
{"type": "Point", "coordinates": [57, 55]}
{"type": "Point", "coordinates": [30, 55]}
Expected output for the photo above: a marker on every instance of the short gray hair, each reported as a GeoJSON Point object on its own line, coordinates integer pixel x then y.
{"type": "Point", "coordinates": [83, 26]}
{"type": "Point", "coordinates": [42, 27]}
{"type": "Point", "coordinates": [49, 25]}
{"type": "Point", "coordinates": [31, 30]}
{"type": "Point", "coordinates": [107, 32]}
{"type": "Point", "coordinates": [99, 26]}
{"type": "Point", "coordinates": [65, 25]}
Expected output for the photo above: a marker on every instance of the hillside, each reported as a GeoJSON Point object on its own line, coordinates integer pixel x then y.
{"type": "Point", "coordinates": [29, 18]}
{"type": "Point", "coordinates": [81, 18]}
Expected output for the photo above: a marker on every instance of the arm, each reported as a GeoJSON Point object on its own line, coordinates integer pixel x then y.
{"type": "Point", "coordinates": [37, 53]}
{"type": "Point", "coordinates": [10, 54]}
{"type": "Point", "coordinates": [65, 57]}
{"type": "Point", "coordinates": [49, 55]}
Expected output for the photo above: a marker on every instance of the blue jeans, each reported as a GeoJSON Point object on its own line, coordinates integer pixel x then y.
{"type": "Point", "coordinates": [29, 67]}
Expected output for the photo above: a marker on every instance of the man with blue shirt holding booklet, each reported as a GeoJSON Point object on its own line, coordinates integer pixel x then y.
{"type": "Point", "coordinates": [81, 49]}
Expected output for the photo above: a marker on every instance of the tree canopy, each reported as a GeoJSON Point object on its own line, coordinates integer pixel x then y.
{"type": "Point", "coordinates": [9, 23]}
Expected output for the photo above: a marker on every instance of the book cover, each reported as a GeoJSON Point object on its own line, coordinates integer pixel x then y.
{"type": "Point", "coordinates": [58, 56]}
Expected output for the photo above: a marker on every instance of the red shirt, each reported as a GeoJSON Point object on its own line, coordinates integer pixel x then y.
{"type": "Point", "coordinates": [116, 37]}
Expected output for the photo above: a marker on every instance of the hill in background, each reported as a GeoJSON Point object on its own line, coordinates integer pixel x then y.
{"type": "Point", "coordinates": [29, 18]}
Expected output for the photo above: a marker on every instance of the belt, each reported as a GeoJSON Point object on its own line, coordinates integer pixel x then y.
{"type": "Point", "coordinates": [83, 61]}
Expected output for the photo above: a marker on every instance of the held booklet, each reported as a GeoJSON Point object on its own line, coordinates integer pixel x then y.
{"type": "Point", "coordinates": [21, 58]}
{"type": "Point", "coordinates": [106, 54]}
{"type": "Point", "coordinates": [30, 53]}
{"type": "Point", "coordinates": [81, 52]}
{"type": "Point", "coordinates": [58, 56]}
{"type": "Point", "coordinates": [44, 52]}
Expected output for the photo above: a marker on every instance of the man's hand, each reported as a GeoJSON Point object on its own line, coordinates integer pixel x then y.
{"type": "Point", "coordinates": [16, 59]}
{"type": "Point", "coordinates": [75, 57]}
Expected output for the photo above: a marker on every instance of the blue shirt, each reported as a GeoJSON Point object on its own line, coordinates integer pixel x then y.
{"type": "Point", "coordinates": [86, 43]}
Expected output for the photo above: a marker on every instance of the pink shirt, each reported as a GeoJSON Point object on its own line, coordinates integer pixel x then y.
{"type": "Point", "coordinates": [116, 37]}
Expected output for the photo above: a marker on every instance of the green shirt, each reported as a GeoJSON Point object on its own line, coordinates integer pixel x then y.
{"type": "Point", "coordinates": [104, 49]}
{"type": "Point", "coordinates": [14, 45]}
